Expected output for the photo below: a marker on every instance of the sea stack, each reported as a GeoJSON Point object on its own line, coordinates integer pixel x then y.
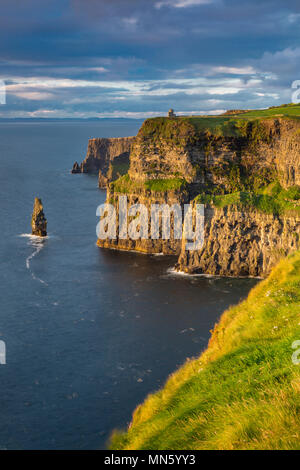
{"type": "Point", "coordinates": [76, 168]}
{"type": "Point", "coordinates": [38, 220]}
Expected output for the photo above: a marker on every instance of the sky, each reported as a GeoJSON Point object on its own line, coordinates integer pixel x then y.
{"type": "Point", "coordinates": [138, 58]}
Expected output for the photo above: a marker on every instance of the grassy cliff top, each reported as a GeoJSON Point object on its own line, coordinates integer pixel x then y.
{"type": "Point", "coordinates": [232, 125]}
{"type": "Point", "coordinates": [243, 392]}
{"type": "Point", "coordinates": [286, 110]}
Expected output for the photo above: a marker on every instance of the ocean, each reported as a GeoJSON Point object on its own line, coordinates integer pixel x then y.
{"type": "Point", "coordinates": [88, 332]}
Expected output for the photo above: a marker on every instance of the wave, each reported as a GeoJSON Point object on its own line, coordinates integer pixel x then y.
{"type": "Point", "coordinates": [173, 272]}
{"type": "Point", "coordinates": [33, 237]}
{"type": "Point", "coordinates": [38, 243]}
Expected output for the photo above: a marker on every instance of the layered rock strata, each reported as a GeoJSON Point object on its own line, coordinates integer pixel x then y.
{"type": "Point", "coordinates": [240, 242]}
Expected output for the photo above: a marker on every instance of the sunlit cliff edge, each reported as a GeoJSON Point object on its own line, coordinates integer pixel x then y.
{"type": "Point", "coordinates": [243, 392]}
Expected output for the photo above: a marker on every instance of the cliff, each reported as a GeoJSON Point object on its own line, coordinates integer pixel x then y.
{"type": "Point", "coordinates": [251, 158]}
{"type": "Point", "coordinates": [221, 151]}
{"type": "Point", "coordinates": [241, 242]}
{"type": "Point", "coordinates": [243, 391]}
{"type": "Point", "coordinates": [109, 157]}
{"type": "Point", "coordinates": [142, 195]}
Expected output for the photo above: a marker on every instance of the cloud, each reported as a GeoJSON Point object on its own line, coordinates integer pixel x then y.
{"type": "Point", "coordinates": [281, 67]}
{"type": "Point", "coordinates": [293, 17]}
{"type": "Point", "coordinates": [181, 3]}
{"type": "Point", "coordinates": [136, 88]}
{"type": "Point", "coordinates": [130, 22]}
{"type": "Point", "coordinates": [141, 56]}
{"type": "Point", "coordinates": [33, 95]}
{"type": "Point", "coordinates": [247, 70]}
{"type": "Point", "coordinates": [58, 113]}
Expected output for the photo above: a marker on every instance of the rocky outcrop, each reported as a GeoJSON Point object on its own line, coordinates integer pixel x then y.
{"type": "Point", "coordinates": [239, 242]}
{"type": "Point", "coordinates": [76, 168]}
{"type": "Point", "coordinates": [231, 112]}
{"type": "Point", "coordinates": [119, 166]}
{"type": "Point", "coordinates": [103, 180]}
{"type": "Point", "coordinates": [101, 153]}
{"type": "Point", "coordinates": [38, 220]}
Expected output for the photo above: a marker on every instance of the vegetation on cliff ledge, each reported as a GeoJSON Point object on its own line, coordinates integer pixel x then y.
{"type": "Point", "coordinates": [126, 185]}
{"type": "Point", "coordinates": [272, 199]}
{"type": "Point", "coordinates": [243, 392]}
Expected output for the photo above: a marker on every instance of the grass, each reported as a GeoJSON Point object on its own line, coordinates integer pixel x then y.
{"type": "Point", "coordinates": [235, 125]}
{"type": "Point", "coordinates": [243, 392]}
{"type": "Point", "coordinates": [126, 185]}
{"type": "Point", "coordinates": [185, 128]}
{"type": "Point", "coordinates": [286, 110]}
{"type": "Point", "coordinates": [272, 199]}
{"type": "Point", "coordinates": [118, 169]}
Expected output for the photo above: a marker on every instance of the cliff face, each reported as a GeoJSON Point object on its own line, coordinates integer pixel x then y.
{"type": "Point", "coordinates": [147, 197]}
{"type": "Point", "coordinates": [283, 149]}
{"type": "Point", "coordinates": [101, 153]}
{"type": "Point", "coordinates": [213, 156]}
{"type": "Point", "coordinates": [168, 148]}
{"type": "Point", "coordinates": [163, 150]}
{"type": "Point", "coordinates": [241, 243]}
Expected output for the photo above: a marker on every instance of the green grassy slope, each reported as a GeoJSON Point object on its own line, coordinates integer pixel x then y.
{"type": "Point", "coordinates": [243, 392]}
{"type": "Point", "coordinates": [234, 125]}
{"type": "Point", "coordinates": [272, 199]}
{"type": "Point", "coordinates": [286, 110]}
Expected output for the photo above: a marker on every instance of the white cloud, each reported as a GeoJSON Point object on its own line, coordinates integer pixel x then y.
{"type": "Point", "coordinates": [293, 17]}
{"type": "Point", "coordinates": [39, 88]}
{"type": "Point", "coordinates": [222, 87]}
{"type": "Point", "coordinates": [58, 113]}
{"type": "Point", "coordinates": [268, 95]}
{"type": "Point", "coordinates": [34, 95]}
{"type": "Point", "coordinates": [234, 70]}
{"type": "Point", "coordinates": [181, 3]}
{"type": "Point", "coordinates": [281, 65]}
{"type": "Point", "coordinates": [223, 91]}
{"type": "Point", "coordinates": [131, 22]}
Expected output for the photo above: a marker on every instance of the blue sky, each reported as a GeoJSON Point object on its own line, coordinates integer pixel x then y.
{"type": "Point", "coordinates": [138, 58]}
